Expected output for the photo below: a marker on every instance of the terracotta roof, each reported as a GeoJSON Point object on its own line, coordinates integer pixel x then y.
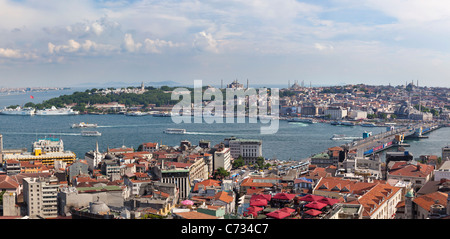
{"type": "Point", "coordinates": [224, 197]}
{"type": "Point", "coordinates": [402, 168]}
{"type": "Point", "coordinates": [373, 199]}
{"type": "Point", "coordinates": [338, 185]}
{"type": "Point", "coordinates": [150, 145]}
{"type": "Point", "coordinates": [427, 200]}
{"type": "Point", "coordinates": [207, 183]}
{"type": "Point", "coordinates": [195, 215]}
{"type": "Point", "coordinates": [6, 182]}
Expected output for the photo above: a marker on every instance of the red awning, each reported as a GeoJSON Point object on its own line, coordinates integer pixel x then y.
{"type": "Point", "coordinates": [258, 202]}
{"type": "Point", "coordinates": [261, 196]}
{"type": "Point", "coordinates": [329, 201]}
{"type": "Point", "coordinates": [284, 196]}
{"type": "Point", "coordinates": [288, 210]}
{"type": "Point", "coordinates": [313, 212]}
{"type": "Point", "coordinates": [278, 214]}
{"type": "Point", "coordinates": [311, 198]}
{"type": "Point", "coordinates": [316, 205]}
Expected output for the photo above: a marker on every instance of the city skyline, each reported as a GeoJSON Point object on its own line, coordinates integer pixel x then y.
{"type": "Point", "coordinates": [55, 43]}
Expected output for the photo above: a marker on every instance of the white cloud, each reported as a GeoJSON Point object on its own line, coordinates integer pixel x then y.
{"type": "Point", "coordinates": [129, 44]}
{"type": "Point", "coordinates": [156, 46]}
{"type": "Point", "coordinates": [205, 42]}
{"type": "Point", "coordinates": [10, 53]}
{"type": "Point", "coordinates": [323, 47]}
{"type": "Point", "coordinates": [73, 46]}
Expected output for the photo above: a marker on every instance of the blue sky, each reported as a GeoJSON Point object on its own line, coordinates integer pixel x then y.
{"type": "Point", "coordinates": [64, 43]}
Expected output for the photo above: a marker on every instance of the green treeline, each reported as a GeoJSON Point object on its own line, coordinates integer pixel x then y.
{"type": "Point", "coordinates": [158, 96]}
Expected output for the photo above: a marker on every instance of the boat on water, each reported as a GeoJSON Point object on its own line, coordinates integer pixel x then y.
{"type": "Point", "coordinates": [368, 125]}
{"type": "Point", "coordinates": [175, 131]}
{"type": "Point", "coordinates": [18, 111]}
{"type": "Point", "coordinates": [84, 125]}
{"type": "Point", "coordinates": [57, 111]}
{"type": "Point", "coordinates": [343, 137]}
{"type": "Point", "coordinates": [91, 133]}
{"type": "Point", "coordinates": [162, 114]}
{"type": "Point", "coordinates": [344, 123]}
{"type": "Point", "coordinates": [302, 120]}
{"type": "Point", "coordinates": [136, 113]}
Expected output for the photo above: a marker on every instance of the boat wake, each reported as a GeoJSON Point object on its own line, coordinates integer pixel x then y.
{"type": "Point", "coordinates": [298, 124]}
{"type": "Point", "coordinates": [38, 133]}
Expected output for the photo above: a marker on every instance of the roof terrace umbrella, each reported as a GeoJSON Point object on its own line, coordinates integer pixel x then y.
{"type": "Point", "coordinates": [329, 201]}
{"type": "Point", "coordinates": [316, 205]}
{"type": "Point", "coordinates": [258, 202]}
{"type": "Point", "coordinates": [288, 210]}
{"type": "Point", "coordinates": [310, 198]}
{"type": "Point", "coordinates": [284, 196]}
{"type": "Point", "coordinates": [313, 212]}
{"type": "Point", "coordinates": [278, 214]}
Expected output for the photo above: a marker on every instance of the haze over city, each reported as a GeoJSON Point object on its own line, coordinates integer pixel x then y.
{"type": "Point", "coordinates": [68, 43]}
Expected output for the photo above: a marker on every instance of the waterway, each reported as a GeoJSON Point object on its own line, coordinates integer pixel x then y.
{"type": "Point", "coordinates": [293, 141]}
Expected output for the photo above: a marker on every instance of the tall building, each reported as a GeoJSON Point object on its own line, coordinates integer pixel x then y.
{"type": "Point", "coordinates": [249, 149]}
{"type": "Point", "coordinates": [446, 153]}
{"type": "Point", "coordinates": [179, 177]}
{"type": "Point", "coordinates": [222, 158]}
{"type": "Point", "coordinates": [40, 196]}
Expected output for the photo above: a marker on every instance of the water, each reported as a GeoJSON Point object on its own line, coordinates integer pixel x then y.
{"type": "Point", "coordinates": [292, 141]}
{"type": "Point", "coordinates": [23, 98]}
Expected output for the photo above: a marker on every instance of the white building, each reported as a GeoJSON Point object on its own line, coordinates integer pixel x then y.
{"type": "Point", "coordinates": [40, 196]}
{"type": "Point", "coordinates": [443, 172]}
{"type": "Point", "coordinates": [249, 149]}
{"type": "Point", "coordinates": [336, 113]}
{"type": "Point", "coordinates": [357, 114]}
{"type": "Point", "coordinates": [222, 159]}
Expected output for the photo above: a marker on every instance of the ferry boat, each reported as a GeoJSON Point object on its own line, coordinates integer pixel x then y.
{"type": "Point", "coordinates": [18, 111]}
{"type": "Point", "coordinates": [302, 120]}
{"type": "Point", "coordinates": [55, 111]}
{"type": "Point", "coordinates": [175, 131]}
{"type": "Point", "coordinates": [91, 133]}
{"type": "Point", "coordinates": [84, 125]}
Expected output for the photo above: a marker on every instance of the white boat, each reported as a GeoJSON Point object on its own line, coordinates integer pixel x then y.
{"type": "Point", "coordinates": [91, 133]}
{"type": "Point", "coordinates": [162, 114]}
{"type": "Point", "coordinates": [18, 111]}
{"type": "Point", "coordinates": [302, 120]}
{"type": "Point", "coordinates": [55, 111]}
{"type": "Point", "coordinates": [368, 125]}
{"type": "Point", "coordinates": [136, 113]}
{"type": "Point", "coordinates": [343, 137]}
{"type": "Point", "coordinates": [175, 131]}
{"type": "Point", "coordinates": [84, 125]}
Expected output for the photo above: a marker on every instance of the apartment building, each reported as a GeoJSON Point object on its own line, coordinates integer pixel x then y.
{"type": "Point", "coordinates": [40, 196]}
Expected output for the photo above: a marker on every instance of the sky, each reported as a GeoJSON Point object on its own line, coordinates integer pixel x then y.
{"type": "Point", "coordinates": [330, 42]}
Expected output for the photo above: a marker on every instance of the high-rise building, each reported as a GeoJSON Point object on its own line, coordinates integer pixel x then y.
{"type": "Point", "coordinates": [40, 196]}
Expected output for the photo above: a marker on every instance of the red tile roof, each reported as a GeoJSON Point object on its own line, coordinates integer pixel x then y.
{"type": "Point", "coordinates": [427, 200]}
